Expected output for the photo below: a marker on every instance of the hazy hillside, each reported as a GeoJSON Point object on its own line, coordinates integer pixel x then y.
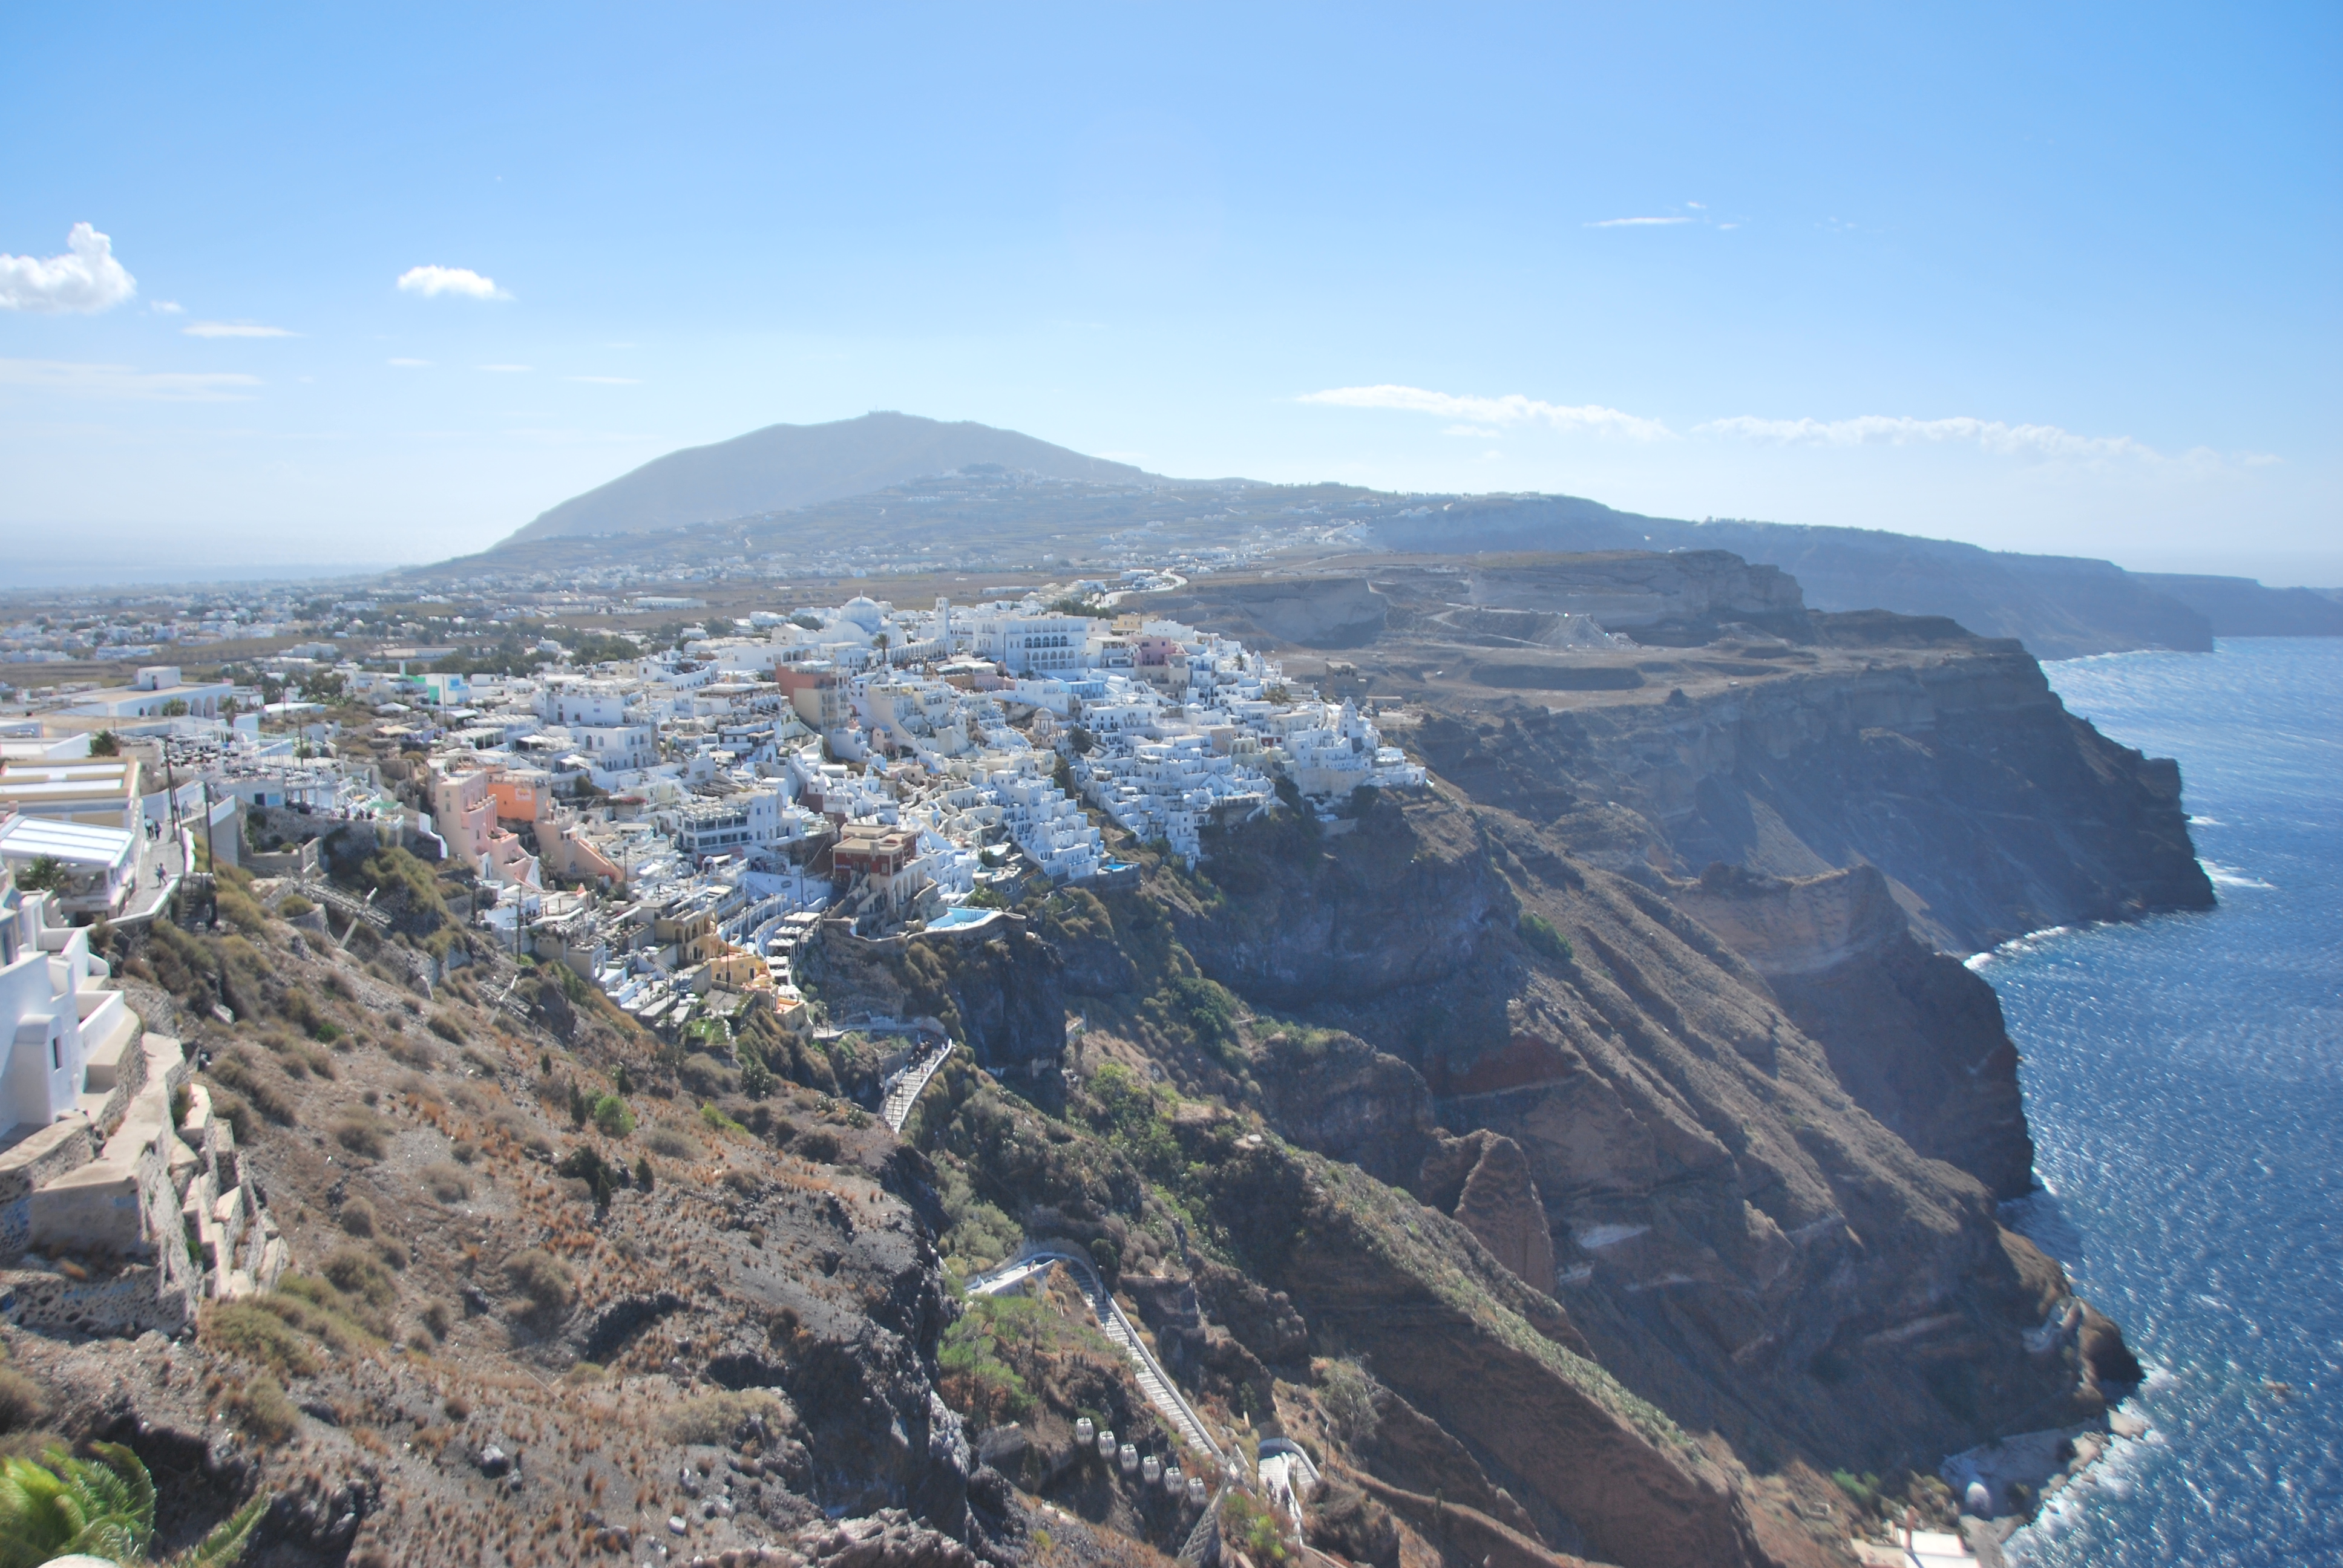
{"type": "Point", "coordinates": [2240, 607]}
{"type": "Point", "coordinates": [785, 466]}
{"type": "Point", "coordinates": [2059, 607]}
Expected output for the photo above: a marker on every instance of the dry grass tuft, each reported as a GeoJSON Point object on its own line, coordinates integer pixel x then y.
{"type": "Point", "coordinates": [447, 1181]}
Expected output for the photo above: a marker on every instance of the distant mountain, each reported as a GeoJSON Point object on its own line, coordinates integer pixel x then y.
{"type": "Point", "coordinates": [2240, 607]}
{"type": "Point", "coordinates": [785, 466]}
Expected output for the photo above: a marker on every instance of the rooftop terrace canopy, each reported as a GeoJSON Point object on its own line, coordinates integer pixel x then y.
{"type": "Point", "coordinates": [28, 839]}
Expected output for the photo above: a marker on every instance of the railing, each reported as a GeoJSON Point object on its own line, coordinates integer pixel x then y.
{"type": "Point", "coordinates": [895, 1108]}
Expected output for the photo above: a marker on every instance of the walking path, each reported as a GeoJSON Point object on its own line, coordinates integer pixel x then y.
{"type": "Point", "coordinates": [896, 1108]}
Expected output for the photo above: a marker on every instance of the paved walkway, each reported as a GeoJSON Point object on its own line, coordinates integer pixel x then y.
{"type": "Point", "coordinates": [896, 1108]}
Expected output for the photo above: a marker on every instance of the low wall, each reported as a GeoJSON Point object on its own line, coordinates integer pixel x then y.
{"type": "Point", "coordinates": [124, 1304]}
{"type": "Point", "coordinates": [53, 1151]}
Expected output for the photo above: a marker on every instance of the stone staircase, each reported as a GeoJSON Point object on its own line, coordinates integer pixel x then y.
{"type": "Point", "coordinates": [905, 1091]}
{"type": "Point", "coordinates": [119, 1218]}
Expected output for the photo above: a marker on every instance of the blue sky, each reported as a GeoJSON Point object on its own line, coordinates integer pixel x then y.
{"type": "Point", "coordinates": [2062, 282]}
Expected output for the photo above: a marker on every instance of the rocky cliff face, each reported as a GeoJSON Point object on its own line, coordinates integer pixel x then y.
{"type": "Point", "coordinates": [1916, 1039]}
{"type": "Point", "coordinates": [1953, 768]}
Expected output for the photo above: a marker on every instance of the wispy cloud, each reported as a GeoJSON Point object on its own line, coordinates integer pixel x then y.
{"type": "Point", "coordinates": [167, 308]}
{"type": "Point", "coordinates": [433, 281]}
{"type": "Point", "coordinates": [1511, 410]}
{"type": "Point", "coordinates": [235, 329]}
{"type": "Point", "coordinates": [1485, 417]}
{"type": "Point", "coordinates": [83, 281]}
{"type": "Point", "coordinates": [1636, 222]}
{"type": "Point", "coordinates": [124, 382]}
{"type": "Point", "coordinates": [1895, 430]}
{"type": "Point", "coordinates": [602, 380]}
{"type": "Point", "coordinates": [506, 369]}
{"type": "Point", "coordinates": [412, 364]}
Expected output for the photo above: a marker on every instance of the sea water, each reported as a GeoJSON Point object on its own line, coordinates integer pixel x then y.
{"type": "Point", "coordinates": [2184, 1078]}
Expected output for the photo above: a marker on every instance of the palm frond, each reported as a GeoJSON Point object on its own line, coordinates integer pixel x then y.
{"type": "Point", "coordinates": [112, 1539]}
{"type": "Point", "coordinates": [134, 1488]}
{"type": "Point", "coordinates": [225, 1544]}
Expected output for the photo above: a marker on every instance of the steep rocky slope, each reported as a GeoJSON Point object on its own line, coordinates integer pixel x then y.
{"type": "Point", "coordinates": [1582, 1157]}
{"type": "Point", "coordinates": [537, 1288]}
{"type": "Point", "coordinates": [1733, 725]}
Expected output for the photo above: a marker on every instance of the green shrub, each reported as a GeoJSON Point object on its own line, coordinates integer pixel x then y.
{"type": "Point", "coordinates": [584, 1163]}
{"type": "Point", "coordinates": [611, 1115]}
{"type": "Point", "coordinates": [251, 1332]}
{"type": "Point", "coordinates": [262, 1410]}
{"type": "Point", "coordinates": [973, 1378]}
{"type": "Point", "coordinates": [755, 1078]}
{"type": "Point", "coordinates": [358, 1217]}
{"type": "Point", "coordinates": [362, 1274]}
{"type": "Point", "coordinates": [313, 1304]}
{"type": "Point", "coordinates": [1863, 1490]}
{"type": "Point", "coordinates": [1543, 937]}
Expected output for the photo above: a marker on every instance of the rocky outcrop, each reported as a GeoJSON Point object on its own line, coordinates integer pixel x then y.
{"type": "Point", "coordinates": [1001, 996]}
{"type": "Point", "coordinates": [1916, 1039]}
{"type": "Point", "coordinates": [1332, 1092]}
{"type": "Point", "coordinates": [1483, 1182]}
{"type": "Point", "coordinates": [1463, 1339]}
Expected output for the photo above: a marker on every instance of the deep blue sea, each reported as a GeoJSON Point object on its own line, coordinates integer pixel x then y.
{"type": "Point", "coordinates": [2184, 1077]}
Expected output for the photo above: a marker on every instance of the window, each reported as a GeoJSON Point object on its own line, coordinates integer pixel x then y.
{"type": "Point", "coordinates": [56, 1054]}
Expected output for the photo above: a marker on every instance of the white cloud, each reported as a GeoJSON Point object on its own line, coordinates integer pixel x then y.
{"type": "Point", "coordinates": [1994, 435]}
{"type": "Point", "coordinates": [1513, 410]}
{"type": "Point", "coordinates": [120, 381]}
{"type": "Point", "coordinates": [433, 281]}
{"type": "Point", "coordinates": [506, 369]}
{"type": "Point", "coordinates": [235, 329]}
{"type": "Point", "coordinates": [412, 364]}
{"type": "Point", "coordinates": [1472, 430]}
{"type": "Point", "coordinates": [167, 308]}
{"type": "Point", "coordinates": [1635, 222]}
{"type": "Point", "coordinates": [599, 380]}
{"type": "Point", "coordinates": [87, 279]}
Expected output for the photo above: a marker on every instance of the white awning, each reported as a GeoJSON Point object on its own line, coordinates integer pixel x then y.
{"type": "Point", "coordinates": [27, 838]}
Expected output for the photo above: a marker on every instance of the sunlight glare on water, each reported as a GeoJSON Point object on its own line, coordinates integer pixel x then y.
{"type": "Point", "coordinates": [2184, 1078]}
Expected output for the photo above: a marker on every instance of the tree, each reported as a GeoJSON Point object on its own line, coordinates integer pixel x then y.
{"type": "Point", "coordinates": [755, 1078]}
{"type": "Point", "coordinates": [105, 743]}
{"type": "Point", "coordinates": [175, 708]}
{"type": "Point", "coordinates": [46, 874]}
{"type": "Point", "coordinates": [59, 1507]}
